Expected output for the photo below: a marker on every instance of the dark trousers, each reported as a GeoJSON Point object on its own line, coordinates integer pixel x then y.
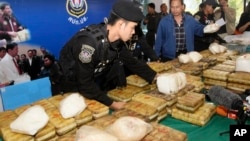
{"type": "Point", "coordinates": [150, 37]}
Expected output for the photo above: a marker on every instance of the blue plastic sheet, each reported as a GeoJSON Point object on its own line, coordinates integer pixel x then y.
{"type": "Point", "coordinates": [25, 93]}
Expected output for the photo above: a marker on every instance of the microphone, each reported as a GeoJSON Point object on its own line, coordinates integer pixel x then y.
{"type": "Point", "coordinates": [221, 96]}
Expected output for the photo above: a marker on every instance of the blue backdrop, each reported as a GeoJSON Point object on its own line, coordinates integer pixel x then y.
{"type": "Point", "coordinates": [49, 22]}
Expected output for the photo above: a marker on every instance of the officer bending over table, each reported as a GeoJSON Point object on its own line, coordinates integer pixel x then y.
{"type": "Point", "coordinates": [92, 60]}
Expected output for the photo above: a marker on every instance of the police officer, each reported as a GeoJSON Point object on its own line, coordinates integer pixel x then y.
{"type": "Point", "coordinates": [206, 17]}
{"type": "Point", "coordinates": [96, 53]}
{"type": "Point", "coordinates": [139, 47]}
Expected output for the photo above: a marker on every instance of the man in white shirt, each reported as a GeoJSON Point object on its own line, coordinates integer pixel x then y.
{"type": "Point", "coordinates": [10, 68]}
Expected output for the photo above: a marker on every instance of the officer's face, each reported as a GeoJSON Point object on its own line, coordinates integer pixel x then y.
{"type": "Point", "coordinates": [209, 9]}
{"type": "Point", "coordinates": [127, 29]}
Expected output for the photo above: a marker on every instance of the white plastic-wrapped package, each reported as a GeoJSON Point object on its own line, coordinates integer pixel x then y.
{"type": "Point", "coordinates": [215, 48]}
{"type": "Point", "coordinates": [129, 128]}
{"type": "Point", "coordinates": [167, 83]}
{"type": "Point", "coordinates": [184, 58]}
{"type": "Point", "coordinates": [192, 56]}
{"type": "Point", "coordinates": [171, 83]}
{"type": "Point", "coordinates": [72, 105]}
{"type": "Point", "coordinates": [195, 56]}
{"type": "Point", "coordinates": [30, 121]}
{"type": "Point", "coordinates": [243, 63]}
{"type": "Point", "coordinates": [241, 39]}
{"type": "Point", "coordinates": [222, 48]}
{"type": "Point", "coordinates": [22, 36]}
{"type": "Point", "coordinates": [90, 133]}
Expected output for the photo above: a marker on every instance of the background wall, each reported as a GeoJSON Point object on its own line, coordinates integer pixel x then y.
{"type": "Point", "coordinates": [50, 25]}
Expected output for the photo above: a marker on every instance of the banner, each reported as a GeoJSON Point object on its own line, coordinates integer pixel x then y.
{"type": "Point", "coordinates": [53, 23]}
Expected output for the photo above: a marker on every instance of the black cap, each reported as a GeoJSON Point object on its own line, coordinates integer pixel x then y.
{"type": "Point", "coordinates": [211, 2]}
{"type": "Point", "coordinates": [127, 10]}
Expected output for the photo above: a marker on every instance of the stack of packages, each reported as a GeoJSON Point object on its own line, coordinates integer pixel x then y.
{"type": "Point", "coordinates": [190, 106]}
{"type": "Point", "coordinates": [194, 62]}
{"type": "Point", "coordinates": [158, 103]}
{"type": "Point", "coordinates": [215, 76]}
{"type": "Point", "coordinates": [239, 80]}
{"type": "Point", "coordinates": [193, 108]}
{"type": "Point", "coordinates": [196, 82]}
{"type": "Point", "coordinates": [138, 104]}
{"type": "Point", "coordinates": [232, 74]}
{"type": "Point", "coordinates": [56, 117]}
{"type": "Point", "coordinates": [71, 117]}
{"type": "Point", "coordinates": [170, 99]}
{"type": "Point", "coordinates": [125, 94]}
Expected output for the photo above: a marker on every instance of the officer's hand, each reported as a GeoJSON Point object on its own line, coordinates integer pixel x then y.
{"type": "Point", "coordinates": [155, 78]}
{"type": "Point", "coordinates": [117, 105]}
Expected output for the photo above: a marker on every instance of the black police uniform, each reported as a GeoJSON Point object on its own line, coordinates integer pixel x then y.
{"type": "Point", "coordinates": [152, 25]}
{"type": "Point", "coordinates": [139, 47]}
{"type": "Point", "coordinates": [89, 58]}
{"type": "Point", "coordinates": [202, 43]}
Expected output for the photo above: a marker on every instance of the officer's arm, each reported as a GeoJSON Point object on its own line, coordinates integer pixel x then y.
{"type": "Point", "coordinates": [137, 67]}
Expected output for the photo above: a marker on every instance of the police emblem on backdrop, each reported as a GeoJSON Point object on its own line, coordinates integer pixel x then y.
{"type": "Point", "coordinates": [86, 53]}
{"type": "Point", "coordinates": [76, 8]}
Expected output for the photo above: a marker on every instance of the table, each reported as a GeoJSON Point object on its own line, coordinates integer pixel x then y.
{"type": "Point", "coordinates": [208, 132]}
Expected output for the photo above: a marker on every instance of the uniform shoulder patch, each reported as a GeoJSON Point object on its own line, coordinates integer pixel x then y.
{"type": "Point", "coordinates": [86, 53]}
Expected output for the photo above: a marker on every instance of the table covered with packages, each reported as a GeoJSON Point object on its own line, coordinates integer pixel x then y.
{"type": "Point", "coordinates": [174, 108]}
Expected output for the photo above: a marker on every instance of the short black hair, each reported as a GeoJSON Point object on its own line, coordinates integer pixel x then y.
{"type": "Point", "coordinates": [34, 50]}
{"type": "Point", "coordinates": [2, 48]}
{"type": "Point", "coordinates": [182, 2]}
{"type": "Point", "coordinates": [30, 50]}
{"type": "Point", "coordinates": [3, 5]}
{"type": "Point", "coordinates": [11, 46]}
{"type": "Point", "coordinates": [152, 5]}
{"type": "Point", "coordinates": [50, 57]}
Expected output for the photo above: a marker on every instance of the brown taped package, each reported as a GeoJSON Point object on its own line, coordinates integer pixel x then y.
{"type": "Point", "coordinates": [200, 117]}
{"type": "Point", "coordinates": [155, 102]}
{"type": "Point", "coordinates": [143, 109]}
{"type": "Point", "coordinates": [61, 124]}
{"type": "Point", "coordinates": [165, 133]}
{"type": "Point", "coordinates": [8, 135]}
{"type": "Point", "coordinates": [190, 102]}
{"type": "Point", "coordinates": [125, 94]}
{"type": "Point", "coordinates": [97, 109]}
{"type": "Point", "coordinates": [136, 80]}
